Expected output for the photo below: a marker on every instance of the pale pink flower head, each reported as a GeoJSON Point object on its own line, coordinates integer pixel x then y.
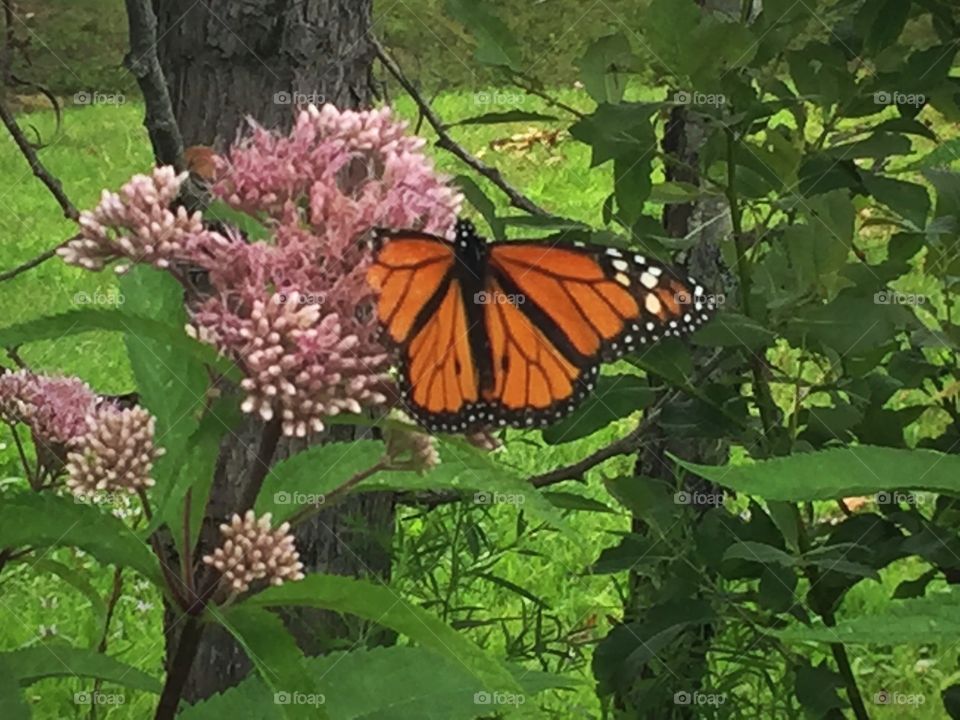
{"type": "Point", "coordinates": [55, 408]}
{"type": "Point", "coordinates": [252, 550]}
{"type": "Point", "coordinates": [296, 312]}
{"type": "Point", "coordinates": [115, 454]}
{"type": "Point", "coordinates": [139, 225]}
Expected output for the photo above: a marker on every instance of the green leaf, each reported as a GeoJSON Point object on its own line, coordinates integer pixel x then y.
{"type": "Point", "coordinates": [931, 619]}
{"type": "Point", "coordinates": [632, 182]}
{"type": "Point", "coordinates": [851, 326]}
{"type": "Point", "coordinates": [57, 521]}
{"type": "Point", "coordinates": [816, 688]}
{"type": "Point", "coordinates": [251, 227]}
{"type": "Point", "coordinates": [194, 471]}
{"type": "Point", "coordinates": [28, 665]}
{"type": "Point", "coordinates": [171, 384]}
{"type": "Point", "coordinates": [572, 501]}
{"type": "Point", "coordinates": [909, 200]}
{"type": "Point", "coordinates": [279, 661]}
{"type": "Point", "coordinates": [307, 477]}
{"type": "Point", "coordinates": [759, 552]}
{"type": "Point", "coordinates": [877, 146]}
{"type": "Point", "coordinates": [603, 66]}
{"type": "Point", "coordinates": [615, 397]}
{"type": "Point", "coordinates": [384, 683]}
{"type": "Point", "coordinates": [380, 604]}
{"type": "Point", "coordinates": [74, 322]}
{"type": "Point", "coordinates": [777, 587]}
{"type": "Point", "coordinates": [837, 473]}
{"type": "Point", "coordinates": [483, 204]}
{"type": "Point", "coordinates": [510, 116]}
{"type": "Point", "coordinates": [672, 193]}
{"type": "Point", "coordinates": [614, 131]}
{"type": "Point", "coordinates": [70, 576]}
{"type": "Point", "coordinates": [889, 19]}
{"type": "Point", "coordinates": [495, 43]}
{"type": "Point", "coordinates": [730, 329]}
{"type": "Point", "coordinates": [11, 697]}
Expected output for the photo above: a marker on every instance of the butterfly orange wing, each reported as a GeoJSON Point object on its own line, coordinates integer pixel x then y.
{"type": "Point", "coordinates": [420, 305]}
{"type": "Point", "coordinates": [558, 311]}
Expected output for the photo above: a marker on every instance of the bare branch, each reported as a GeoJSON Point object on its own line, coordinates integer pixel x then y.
{"type": "Point", "coordinates": [41, 172]}
{"type": "Point", "coordinates": [30, 264]}
{"type": "Point", "coordinates": [517, 199]}
{"type": "Point", "coordinates": [143, 63]}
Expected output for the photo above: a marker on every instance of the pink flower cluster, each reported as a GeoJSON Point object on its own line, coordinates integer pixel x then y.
{"type": "Point", "coordinates": [55, 408]}
{"type": "Point", "coordinates": [115, 454]}
{"type": "Point", "coordinates": [252, 551]}
{"type": "Point", "coordinates": [138, 224]}
{"type": "Point", "coordinates": [296, 312]}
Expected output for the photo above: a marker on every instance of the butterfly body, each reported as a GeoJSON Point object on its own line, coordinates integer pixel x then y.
{"type": "Point", "coordinates": [513, 333]}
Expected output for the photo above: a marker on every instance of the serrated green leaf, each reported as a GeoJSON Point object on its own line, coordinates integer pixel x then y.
{"type": "Point", "coordinates": [279, 661]}
{"type": "Point", "coordinates": [57, 521]}
{"type": "Point", "coordinates": [837, 473]}
{"type": "Point", "coordinates": [931, 619]}
{"type": "Point", "coordinates": [909, 200]}
{"type": "Point", "coordinates": [28, 665]}
{"type": "Point", "coordinates": [380, 604]}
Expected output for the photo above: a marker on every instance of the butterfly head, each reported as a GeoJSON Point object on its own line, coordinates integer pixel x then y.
{"type": "Point", "coordinates": [471, 247]}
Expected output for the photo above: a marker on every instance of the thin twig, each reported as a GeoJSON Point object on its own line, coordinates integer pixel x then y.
{"type": "Point", "coordinates": [39, 170]}
{"type": "Point", "coordinates": [444, 141]}
{"type": "Point", "coordinates": [529, 85]}
{"type": "Point", "coordinates": [626, 445]}
{"type": "Point", "coordinates": [338, 493]}
{"type": "Point", "coordinates": [30, 264]}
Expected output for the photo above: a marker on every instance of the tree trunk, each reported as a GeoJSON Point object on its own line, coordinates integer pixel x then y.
{"type": "Point", "coordinates": [224, 62]}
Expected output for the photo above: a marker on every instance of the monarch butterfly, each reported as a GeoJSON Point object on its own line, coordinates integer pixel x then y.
{"type": "Point", "coordinates": [513, 333]}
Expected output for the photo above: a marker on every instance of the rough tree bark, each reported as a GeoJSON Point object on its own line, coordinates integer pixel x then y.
{"type": "Point", "coordinates": [223, 62]}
